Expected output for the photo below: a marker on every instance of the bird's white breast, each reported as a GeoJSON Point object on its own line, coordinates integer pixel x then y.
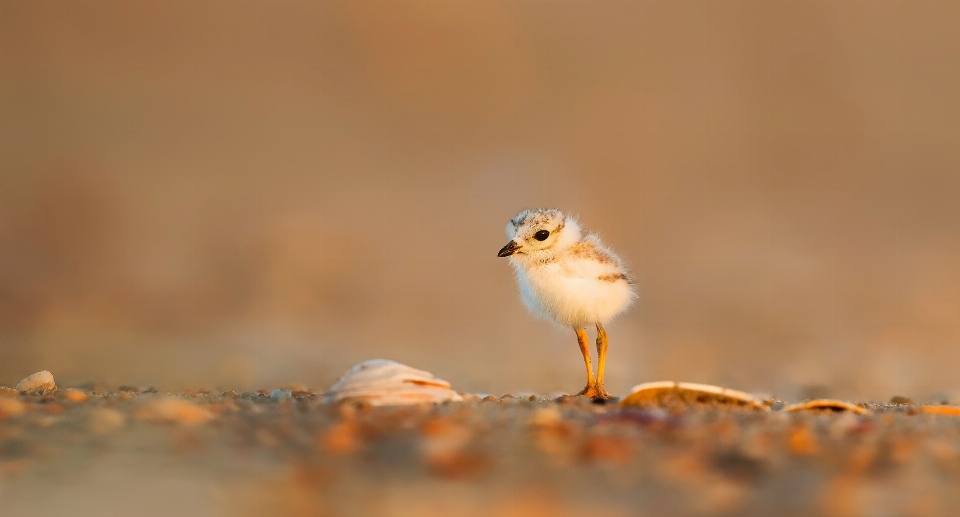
{"type": "Point", "coordinates": [570, 290]}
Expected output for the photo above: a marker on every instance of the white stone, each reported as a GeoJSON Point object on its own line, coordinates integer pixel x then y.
{"type": "Point", "coordinates": [38, 382]}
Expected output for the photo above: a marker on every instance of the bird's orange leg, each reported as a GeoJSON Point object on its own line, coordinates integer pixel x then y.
{"type": "Point", "coordinates": [591, 389]}
{"type": "Point", "coordinates": [601, 362]}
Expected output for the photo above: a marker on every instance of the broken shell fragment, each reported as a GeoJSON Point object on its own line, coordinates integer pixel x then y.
{"type": "Point", "coordinates": [827, 405]}
{"type": "Point", "coordinates": [382, 382]}
{"type": "Point", "coordinates": [671, 393]}
{"type": "Point", "coordinates": [941, 410]}
{"type": "Point", "coordinates": [40, 381]}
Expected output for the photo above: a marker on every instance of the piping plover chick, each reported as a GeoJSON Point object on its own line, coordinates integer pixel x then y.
{"type": "Point", "coordinates": [569, 278]}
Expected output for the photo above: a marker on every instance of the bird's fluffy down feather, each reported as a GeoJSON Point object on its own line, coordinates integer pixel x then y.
{"type": "Point", "coordinates": [571, 279]}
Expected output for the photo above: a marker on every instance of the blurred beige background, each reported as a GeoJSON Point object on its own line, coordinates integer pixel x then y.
{"type": "Point", "coordinates": [243, 194]}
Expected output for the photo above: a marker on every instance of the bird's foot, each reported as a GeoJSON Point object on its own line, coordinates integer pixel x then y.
{"type": "Point", "coordinates": [603, 393]}
{"type": "Point", "coordinates": [595, 392]}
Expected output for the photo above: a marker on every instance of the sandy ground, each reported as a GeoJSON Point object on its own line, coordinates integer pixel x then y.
{"type": "Point", "coordinates": [105, 452]}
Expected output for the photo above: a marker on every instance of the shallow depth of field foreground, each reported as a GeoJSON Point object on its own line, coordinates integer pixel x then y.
{"type": "Point", "coordinates": [210, 210]}
{"type": "Point", "coordinates": [136, 452]}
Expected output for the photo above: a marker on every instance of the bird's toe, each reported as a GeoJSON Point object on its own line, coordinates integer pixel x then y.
{"type": "Point", "coordinates": [595, 392]}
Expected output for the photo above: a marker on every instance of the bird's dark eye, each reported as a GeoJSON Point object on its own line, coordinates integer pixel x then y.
{"type": "Point", "coordinates": [541, 235]}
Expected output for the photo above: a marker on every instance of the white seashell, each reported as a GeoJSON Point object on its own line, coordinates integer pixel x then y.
{"type": "Point", "coordinates": [382, 382]}
{"type": "Point", "coordinates": [38, 382]}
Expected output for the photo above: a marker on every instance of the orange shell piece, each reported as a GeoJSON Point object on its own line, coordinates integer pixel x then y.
{"type": "Point", "coordinates": [824, 405]}
{"type": "Point", "coordinates": [671, 393]}
{"type": "Point", "coordinates": [941, 410]}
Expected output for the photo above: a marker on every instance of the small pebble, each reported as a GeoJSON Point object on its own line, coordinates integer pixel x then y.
{"type": "Point", "coordinates": [341, 438]}
{"type": "Point", "coordinates": [897, 399]}
{"type": "Point", "coordinates": [172, 409]}
{"type": "Point", "coordinates": [546, 416]}
{"type": "Point", "coordinates": [11, 407]}
{"type": "Point", "coordinates": [267, 438]}
{"type": "Point", "coordinates": [442, 439]}
{"type": "Point", "coordinates": [106, 420]}
{"type": "Point", "coordinates": [52, 409]}
{"type": "Point", "coordinates": [75, 395]}
{"type": "Point", "coordinates": [8, 392]}
{"type": "Point", "coordinates": [40, 381]}
{"type": "Point", "coordinates": [46, 420]}
{"type": "Point", "coordinates": [765, 396]}
{"type": "Point", "coordinates": [528, 396]}
{"type": "Point", "coordinates": [280, 393]}
{"type": "Point", "coordinates": [802, 441]}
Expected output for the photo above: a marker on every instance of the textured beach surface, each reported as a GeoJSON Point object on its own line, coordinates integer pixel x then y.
{"type": "Point", "coordinates": [134, 451]}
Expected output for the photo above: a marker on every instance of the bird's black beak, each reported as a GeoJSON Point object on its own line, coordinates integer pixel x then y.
{"type": "Point", "coordinates": [509, 249]}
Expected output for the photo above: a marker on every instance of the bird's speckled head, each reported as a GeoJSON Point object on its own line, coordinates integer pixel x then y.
{"type": "Point", "coordinates": [540, 232]}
